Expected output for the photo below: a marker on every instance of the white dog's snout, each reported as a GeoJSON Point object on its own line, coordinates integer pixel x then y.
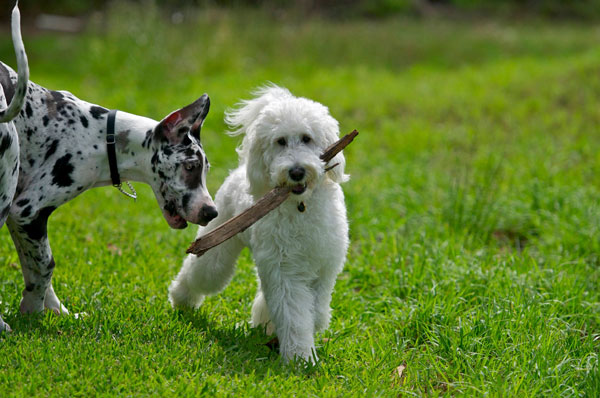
{"type": "Point", "coordinates": [297, 173]}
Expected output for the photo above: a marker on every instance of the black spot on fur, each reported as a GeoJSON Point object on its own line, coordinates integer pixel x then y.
{"type": "Point", "coordinates": [28, 110]}
{"type": "Point", "coordinates": [61, 172]}
{"type": "Point", "coordinates": [45, 120]}
{"type": "Point", "coordinates": [22, 202]}
{"type": "Point", "coordinates": [37, 228]}
{"type": "Point", "coordinates": [51, 264]}
{"type": "Point", "coordinates": [84, 121]}
{"type": "Point", "coordinates": [26, 212]}
{"type": "Point", "coordinates": [147, 139]}
{"type": "Point", "coordinates": [51, 150]}
{"type": "Point", "coordinates": [29, 133]}
{"type": "Point", "coordinates": [4, 212]}
{"type": "Point", "coordinates": [154, 160]}
{"type": "Point", "coordinates": [57, 96]}
{"type": "Point", "coordinates": [171, 208]}
{"type": "Point", "coordinates": [5, 143]}
{"type": "Point", "coordinates": [97, 111]}
{"type": "Point", "coordinates": [29, 287]}
{"type": "Point", "coordinates": [185, 200]}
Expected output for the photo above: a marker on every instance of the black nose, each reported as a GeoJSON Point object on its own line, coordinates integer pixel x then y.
{"type": "Point", "coordinates": [297, 173]}
{"type": "Point", "coordinates": [208, 212]}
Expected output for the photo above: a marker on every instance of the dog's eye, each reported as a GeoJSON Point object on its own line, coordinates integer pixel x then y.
{"type": "Point", "coordinates": [189, 166]}
{"type": "Point", "coordinates": [282, 141]}
{"type": "Point", "coordinates": [305, 139]}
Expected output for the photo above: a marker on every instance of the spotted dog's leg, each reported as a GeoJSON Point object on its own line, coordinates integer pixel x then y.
{"type": "Point", "coordinates": [37, 263]}
{"type": "Point", "coordinates": [9, 168]}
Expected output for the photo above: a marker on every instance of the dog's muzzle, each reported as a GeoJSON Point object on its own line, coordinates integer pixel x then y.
{"type": "Point", "coordinates": [297, 173]}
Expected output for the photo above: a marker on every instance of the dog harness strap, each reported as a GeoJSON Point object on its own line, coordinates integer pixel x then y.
{"type": "Point", "coordinates": [110, 148]}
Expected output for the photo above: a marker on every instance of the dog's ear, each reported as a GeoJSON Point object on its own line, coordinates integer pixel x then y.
{"type": "Point", "coordinates": [330, 130]}
{"type": "Point", "coordinates": [179, 123]}
{"type": "Point", "coordinates": [256, 158]}
{"type": "Point", "coordinates": [337, 173]}
{"type": "Point", "coordinates": [247, 111]}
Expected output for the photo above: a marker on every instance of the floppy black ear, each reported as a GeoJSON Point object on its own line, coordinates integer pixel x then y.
{"type": "Point", "coordinates": [189, 119]}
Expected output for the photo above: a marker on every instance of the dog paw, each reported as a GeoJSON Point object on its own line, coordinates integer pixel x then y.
{"type": "Point", "coordinates": [306, 356]}
{"type": "Point", "coordinates": [57, 308]}
{"type": "Point", "coordinates": [4, 327]}
{"type": "Point", "coordinates": [181, 298]}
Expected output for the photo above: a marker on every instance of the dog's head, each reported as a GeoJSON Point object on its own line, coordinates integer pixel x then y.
{"type": "Point", "coordinates": [283, 139]}
{"type": "Point", "coordinates": [180, 165]}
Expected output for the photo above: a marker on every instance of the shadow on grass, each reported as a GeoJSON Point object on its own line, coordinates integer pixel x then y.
{"type": "Point", "coordinates": [250, 350]}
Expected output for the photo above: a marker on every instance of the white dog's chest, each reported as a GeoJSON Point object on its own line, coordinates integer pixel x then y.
{"type": "Point", "coordinates": [303, 242]}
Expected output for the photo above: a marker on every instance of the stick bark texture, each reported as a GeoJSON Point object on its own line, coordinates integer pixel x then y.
{"type": "Point", "coordinates": [262, 207]}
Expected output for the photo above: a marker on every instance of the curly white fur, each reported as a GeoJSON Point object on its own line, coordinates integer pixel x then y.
{"type": "Point", "coordinates": [297, 254]}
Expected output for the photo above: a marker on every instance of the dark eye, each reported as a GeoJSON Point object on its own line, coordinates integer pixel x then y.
{"type": "Point", "coordinates": [305, 139]}
{"type": "Point", "coordinates": [282, 141]}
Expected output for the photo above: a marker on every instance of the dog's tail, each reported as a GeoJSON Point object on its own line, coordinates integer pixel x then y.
{"type": "Point", "coordinates": [21, 90]}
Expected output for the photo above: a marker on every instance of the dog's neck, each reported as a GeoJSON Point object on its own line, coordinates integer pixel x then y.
{"type": "Point", "coordinates": [133, 149]}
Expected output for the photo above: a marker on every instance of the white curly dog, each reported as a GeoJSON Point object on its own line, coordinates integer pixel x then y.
{"type": "Point", "coordinates": [300, 247]}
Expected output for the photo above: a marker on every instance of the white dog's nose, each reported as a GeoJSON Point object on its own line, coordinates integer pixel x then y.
{"type": "Point", "coordinates": [297, 173]}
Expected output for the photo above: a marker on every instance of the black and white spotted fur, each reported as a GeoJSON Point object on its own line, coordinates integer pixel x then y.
{"type": "Point", "coordinates": [9, 140]}
{"type": "Point", "coordinates": [63, 153]}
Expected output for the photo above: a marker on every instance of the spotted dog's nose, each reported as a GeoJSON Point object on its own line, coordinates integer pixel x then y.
{"type": "Point", "coordinates": [297, 173]}
{"type": "Point", "coordinates": [208, 212]}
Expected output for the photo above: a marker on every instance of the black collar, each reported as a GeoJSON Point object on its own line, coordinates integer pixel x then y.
{"type": "Point", "coordinates": [110, 148]}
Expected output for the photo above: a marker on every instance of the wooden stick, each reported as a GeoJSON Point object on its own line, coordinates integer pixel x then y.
{"type": "Point", "coordinates": [337, 146]}
{"type": "Point", "coordinates": [241, 222]}
{"type": "Point", "coordinates": [262, 207]}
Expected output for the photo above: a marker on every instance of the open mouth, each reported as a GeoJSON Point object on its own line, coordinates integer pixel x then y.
{"type": "Point", "coordinates": [173, 218]}
{"type": "Point", "coordinates": [298, 189]}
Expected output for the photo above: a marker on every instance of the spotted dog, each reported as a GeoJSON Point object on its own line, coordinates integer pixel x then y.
{"type": "Point", "coordinates": [9, 141]}
{"type": "Point", "coordinates": [63, 152]}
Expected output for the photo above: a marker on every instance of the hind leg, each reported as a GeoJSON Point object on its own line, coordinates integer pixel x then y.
{"type": "Point", "coordinates": [9, 173]}
{"type": "Point", "coordinates": [37, 263]}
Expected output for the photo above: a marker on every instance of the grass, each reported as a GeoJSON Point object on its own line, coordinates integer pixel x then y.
{"type": "Point", "coordinates": [474, 210]}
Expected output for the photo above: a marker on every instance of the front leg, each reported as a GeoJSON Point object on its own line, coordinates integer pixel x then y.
{"type": "Point", "coordinates": [323, 290]}
{"type": "Point", "coordinates": [37, 263]}
{"type": "Point", "coordinates": [289, 300]}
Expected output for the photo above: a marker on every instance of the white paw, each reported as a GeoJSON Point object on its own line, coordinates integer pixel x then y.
{"type": "Point", "coordinates": [57, 308]}
{"type": "Point", "coordinates": [306, 354]}
{"type": "Point", "coordinates": [181, 297]}
{"type": "Point", "coordinates": [4, 327]}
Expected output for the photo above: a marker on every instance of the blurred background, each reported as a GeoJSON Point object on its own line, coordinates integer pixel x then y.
{"type": "Point", "coordinates": [585, 9]}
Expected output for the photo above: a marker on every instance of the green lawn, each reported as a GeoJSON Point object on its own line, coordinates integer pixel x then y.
{"type": "Point", "coordinates": [474, 207]}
